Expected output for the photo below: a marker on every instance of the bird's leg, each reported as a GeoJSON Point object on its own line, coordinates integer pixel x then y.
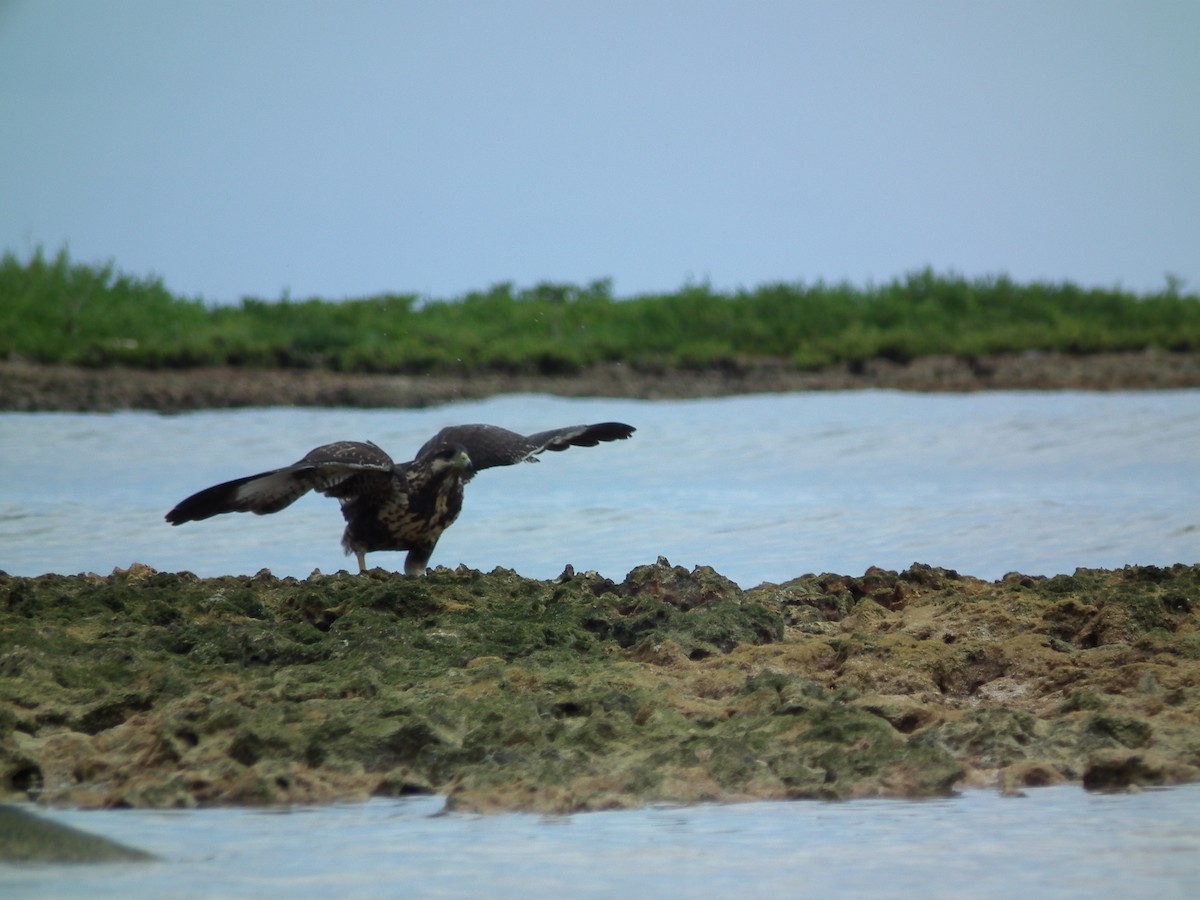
{"type": "Point", "coordinates": [362, 562]}
{"type": "Point", "coordinates": [417, 560]}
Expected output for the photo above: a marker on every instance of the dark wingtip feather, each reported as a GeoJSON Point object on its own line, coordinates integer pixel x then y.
{"type": "Point", "coordinates": [613, 431]}
{"type": "Point", "coordinates": [603, 431]}
{"type": "Point", "coordinates": [194, 509]}
{"type": "Point", "coordinates": [207, 503]}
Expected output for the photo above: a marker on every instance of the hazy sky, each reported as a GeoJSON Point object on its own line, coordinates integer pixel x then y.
{"type": "Point", "coordinates": [332, 149]}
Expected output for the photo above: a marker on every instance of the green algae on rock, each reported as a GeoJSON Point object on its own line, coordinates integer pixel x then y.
{"type": "Point", "coordinates": [155, 689]}
{"type": "Point", "coordinates": [29, 838]}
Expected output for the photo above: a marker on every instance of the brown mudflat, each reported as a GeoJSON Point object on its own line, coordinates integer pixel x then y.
{"type": "Point", "coordinates": [28, 387]}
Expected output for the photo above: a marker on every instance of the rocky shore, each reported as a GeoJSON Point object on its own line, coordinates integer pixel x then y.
{"type": "Point", "coordinates": [153, 689]}
{"type": "Point", "coordinates": [28, 387]}
{"type": "Point", "coordinates": [163, 690]}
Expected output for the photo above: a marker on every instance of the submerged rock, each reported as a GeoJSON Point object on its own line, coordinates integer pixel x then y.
{"type": "Point", "coordinates": [29, 838]}
{"type": "Point", "coordinates": [155, 689]}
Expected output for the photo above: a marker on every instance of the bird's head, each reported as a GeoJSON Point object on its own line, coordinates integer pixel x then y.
{"type": "Point", "coordinates": [449, 459]}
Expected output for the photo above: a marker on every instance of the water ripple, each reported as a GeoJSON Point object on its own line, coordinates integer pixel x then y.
{"type": "Point", "coordinates": [762, 488]}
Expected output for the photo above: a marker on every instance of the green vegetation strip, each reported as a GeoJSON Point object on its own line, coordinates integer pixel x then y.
{"type": "Point", "coordinates": [52, 310]}
{"type": "Point", "coordinates": [165, 690]}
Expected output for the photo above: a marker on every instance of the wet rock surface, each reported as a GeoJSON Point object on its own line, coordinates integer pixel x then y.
{"type": "Point", "coordinates": [154, 689]}
{"type": "Point", "coordinates": [26, 837]}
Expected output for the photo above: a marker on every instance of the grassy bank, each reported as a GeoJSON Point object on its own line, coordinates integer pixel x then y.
{"type": "Point", "coordinates": [54, 310]}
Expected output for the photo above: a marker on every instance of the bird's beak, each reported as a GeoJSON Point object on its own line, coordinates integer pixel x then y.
{"type": "Point", "coordinates": [464, 462]}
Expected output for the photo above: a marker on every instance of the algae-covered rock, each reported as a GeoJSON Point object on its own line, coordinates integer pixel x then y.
{"type": "Point", "coordinates": [28, 838]}
{"type": "Point", "coordinates": [156, 689]}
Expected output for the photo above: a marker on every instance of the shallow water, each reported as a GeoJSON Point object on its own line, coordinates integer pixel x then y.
{"type": "Point", "coordinates": [761, 488]}
{"type": "Point", "coordinates": [1054, 842]}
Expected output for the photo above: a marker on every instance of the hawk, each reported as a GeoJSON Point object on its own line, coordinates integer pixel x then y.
{"type": "Point", "coordinates": [388, 506]}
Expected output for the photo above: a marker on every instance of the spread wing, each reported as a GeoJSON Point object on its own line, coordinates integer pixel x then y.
{"type": "Point", "coordinates": [489, 445]}
{"type": "Point", "coordinates": [345, 470]}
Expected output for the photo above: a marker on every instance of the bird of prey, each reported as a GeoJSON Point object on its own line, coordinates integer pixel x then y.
{"type": "Point", "coordinates": [389, 506]}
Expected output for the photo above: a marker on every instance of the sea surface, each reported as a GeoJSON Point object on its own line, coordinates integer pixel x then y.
{"type": "Point", "coordinates": [761, 488]}
{"type": "Point", "coordinates": [1056, 842]}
